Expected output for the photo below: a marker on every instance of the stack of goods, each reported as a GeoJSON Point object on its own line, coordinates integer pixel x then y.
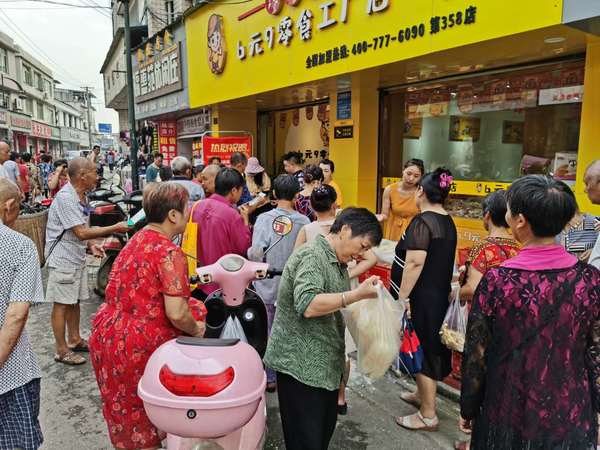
{"type": "Point", "coordinates": [468, 207]}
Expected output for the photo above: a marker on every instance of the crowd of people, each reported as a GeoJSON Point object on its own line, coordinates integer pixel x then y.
{"type": "Point", "coordinates": [530, 369]}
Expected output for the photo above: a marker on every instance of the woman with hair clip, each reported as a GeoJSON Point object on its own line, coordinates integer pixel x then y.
{"type": "Point", "coordinates": [313, 178]}
{"type": "Point", "coordinates": [399, 206]}
{"type": "Point", "coordinates": [421, 277]}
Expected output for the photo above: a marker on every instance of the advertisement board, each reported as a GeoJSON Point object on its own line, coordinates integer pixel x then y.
{"type": "Point", "coordinates": [224, 146]}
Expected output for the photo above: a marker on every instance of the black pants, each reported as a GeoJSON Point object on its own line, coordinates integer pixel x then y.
{"type": "Point", "coordinates": [308, 414]}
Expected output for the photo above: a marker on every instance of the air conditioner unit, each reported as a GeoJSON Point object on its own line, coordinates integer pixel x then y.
{"type": "Point", "coordinates": [18, 104]}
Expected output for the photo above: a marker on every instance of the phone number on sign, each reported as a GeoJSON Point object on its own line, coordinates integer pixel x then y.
{"type": "Point", "coordinates": [437, 24]}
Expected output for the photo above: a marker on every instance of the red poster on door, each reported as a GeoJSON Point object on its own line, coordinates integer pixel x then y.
{"type": "Point", "coordinates": [167, 140]}
{"type": "Point", "coordinates": [224, 146]}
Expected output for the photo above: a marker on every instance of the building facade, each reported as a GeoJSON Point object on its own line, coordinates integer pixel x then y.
{"type": "Point", "coordinates": [492, 90]}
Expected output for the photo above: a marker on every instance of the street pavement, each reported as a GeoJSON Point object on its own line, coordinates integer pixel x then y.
{"type": "Point", "coordinates": [72, 420]}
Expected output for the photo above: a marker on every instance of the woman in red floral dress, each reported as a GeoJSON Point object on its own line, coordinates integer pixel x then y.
{"type": "Point", "coordinates": [146, 305]}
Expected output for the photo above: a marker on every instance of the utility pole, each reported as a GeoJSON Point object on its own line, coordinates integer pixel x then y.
{"type": "Point", "coordinates": [89, 113]}
{"type": "Point", "coordinates": [135, 179]}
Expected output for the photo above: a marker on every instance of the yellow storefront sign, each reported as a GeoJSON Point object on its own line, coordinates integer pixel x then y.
{"type": "Point", "coordinates": [240, 49]}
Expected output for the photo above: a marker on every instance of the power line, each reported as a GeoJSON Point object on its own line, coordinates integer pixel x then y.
{"type": "Point", "coordinates": [53, 2]}
{"type": "Point", "coordinates": [98, 8]}
{"type": "Point", "coordinates": [40, 51]}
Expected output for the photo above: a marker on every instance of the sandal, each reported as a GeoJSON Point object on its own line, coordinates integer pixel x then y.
{"type": "Point", "coordinates": [428, 424]}
{"type": "Point", "coordinates": [409, 397]}
{"type": "Point", "coordinates": [81, 346]}
{"type": "Point", "coordinates": [342, 410]}
{"type": "Point", "coordinates": [70, 359]}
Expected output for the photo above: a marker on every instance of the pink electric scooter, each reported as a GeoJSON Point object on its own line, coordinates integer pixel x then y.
{"type": "Point", "coordinates": [212, 389]}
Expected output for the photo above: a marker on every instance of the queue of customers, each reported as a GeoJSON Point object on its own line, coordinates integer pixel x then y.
{"type": "Point", "coordinates": [532, 343]}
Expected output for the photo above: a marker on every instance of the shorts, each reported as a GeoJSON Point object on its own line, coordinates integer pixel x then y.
{"type": "Point", "coordinates": [19, 424]}
{"type": "Point", "coordinates": [67, 286]}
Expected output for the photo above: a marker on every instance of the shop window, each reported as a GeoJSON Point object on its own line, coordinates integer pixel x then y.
{"type": "Point", "coordinates": [493, 128]}
{"type": "Point", "coordinates": [3, 60]}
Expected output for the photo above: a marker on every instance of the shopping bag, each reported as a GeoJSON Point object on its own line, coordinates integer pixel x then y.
{"type": "Point", "coordinates": [375, 327]}
{"type": "Point", "coordinates": [190, 241]}
{"type": "Point", "coordinates": [233, 330]}
{"type": "Point", "coordinates": [454, 327]}
{"type": "Point", "coordinates": [411, 353]}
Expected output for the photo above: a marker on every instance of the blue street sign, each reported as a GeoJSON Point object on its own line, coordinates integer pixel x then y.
{"type": "Point", "coordinates": [105, 128]}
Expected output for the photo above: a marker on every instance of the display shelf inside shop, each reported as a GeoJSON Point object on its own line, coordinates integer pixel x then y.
{"type": "Point", "coordinates": [464, 206]}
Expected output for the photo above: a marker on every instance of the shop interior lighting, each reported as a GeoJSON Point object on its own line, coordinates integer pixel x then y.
{"type": "Point", "coordinates": [554, 40]}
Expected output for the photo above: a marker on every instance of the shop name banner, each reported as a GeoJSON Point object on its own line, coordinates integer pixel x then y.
{"type": "Point", "coordinates": [225, 146]}
{"type": "Point", "coordinates": [167, 139]}
{"type": "Point", "coordinates": [20, 122]}
{"type": "Point", "coordinates": [196, 124]}
{"type": "Point", "coordinates": [41, 130]}
{"type": "Point", "coordinates": [157, 74]}
{"type": "Point", "coordinates": [231, 48]}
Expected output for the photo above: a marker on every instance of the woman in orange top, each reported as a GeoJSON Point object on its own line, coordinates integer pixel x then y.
{"type": "Point", "coordinates": [399, 206]}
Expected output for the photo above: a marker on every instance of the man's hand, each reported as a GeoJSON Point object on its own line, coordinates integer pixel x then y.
{"type": "Point", "coordinates": [465, 425]}
{"type": "Point", "coordinates": [121, 227]}
{"type": "Point", "coordinates": [245, 213]}
{"type": "Point", "coordinates": [14, 322]}
{"type": "Point", "coordinates": [97, 250]}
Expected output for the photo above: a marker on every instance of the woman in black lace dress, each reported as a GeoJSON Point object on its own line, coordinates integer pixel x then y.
{"type": "Point", "coordinates": [531, 365]}
{"type": "Point", "coordinates": [421, 277]}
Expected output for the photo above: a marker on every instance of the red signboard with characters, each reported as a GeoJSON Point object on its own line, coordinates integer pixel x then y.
{"type": "Point", "coordinates": [224, 146]}
{"type": "Point", "coordinates": [167, 140]}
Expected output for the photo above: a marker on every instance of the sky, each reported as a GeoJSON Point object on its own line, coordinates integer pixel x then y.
{"type": "Point", "coordinates": [74, 39]}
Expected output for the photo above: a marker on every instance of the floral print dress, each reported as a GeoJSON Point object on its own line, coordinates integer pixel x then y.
{"type": "Point", "coordinates": [531, 368]}
{"type": "Point", "coordinates": [129, 326]}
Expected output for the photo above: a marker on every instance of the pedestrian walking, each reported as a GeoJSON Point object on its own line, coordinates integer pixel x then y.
{"type": "Point", "coordinates": [222, 229]}
{"type": "Point", "coordinates": [45, 167]}
{"type": "Point", "coordinates": [286, 188]}
{"type": "Point", "coordinates": [33, 172]}
{"type": "Point", "coordinates": [182, 174]}
{"type": "Point", "coordinates": [4, 156]}
{"type": "Point", "coordinates": [58, 178]}
{"type": "Point", "coordinates": [68, 236]}
{"type": "Point", "coordinates": [110, 160]}
{"type": "Point", "coordinates": [146, 305]}
{"type": "Point", "coordinates": [306, 347]}
{"type": "Point", "coordinates": [293, 165]}
{"type": "Point", "coordinates": [313, 178]}
{"type": "Point", "coordinates": [421, 277]}
{"type": "Point", "coordinates": [153, 169]}
{"type": "Point", "coordinates": [24, 176]}
{"type": "Point", "coordinates": [592, 188]}
{"type": "Point", "coordinates": [8, 161]}
{"type": "Point", "coordinates": [20, 289]}
{"type": "Point", "coordinates": [399, 203]}
{"type": "Point", "coordinates": [531, 367]}
{"type": "Point", "coordinates": [328, 168]}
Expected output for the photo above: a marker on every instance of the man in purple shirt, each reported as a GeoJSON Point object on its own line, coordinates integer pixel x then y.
{"type": "Point", "coordinates": [222, 229]}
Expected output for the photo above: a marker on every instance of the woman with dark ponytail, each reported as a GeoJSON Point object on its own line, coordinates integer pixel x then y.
{"type": "Point", "coordinates": [421, 277]}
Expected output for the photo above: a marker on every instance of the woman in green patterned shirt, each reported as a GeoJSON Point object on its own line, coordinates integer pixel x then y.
{"type": "Point", "coordinates": [306, 347]}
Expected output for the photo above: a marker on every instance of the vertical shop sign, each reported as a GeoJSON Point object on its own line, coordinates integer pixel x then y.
{"type": "Point", "coordinates": [344, 105]}
{"type": "Point", "coordinates": [167, 136]}
{"type": "Point", "coordinates": [223, 147]}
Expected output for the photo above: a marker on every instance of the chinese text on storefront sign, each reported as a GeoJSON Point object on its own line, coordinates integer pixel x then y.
{"type": "Point", "coordinates": [285, 31]}
{"type": "Point", "coordinates": [223, 147]}
{"type": "Point", "coordinates": [167, 138]}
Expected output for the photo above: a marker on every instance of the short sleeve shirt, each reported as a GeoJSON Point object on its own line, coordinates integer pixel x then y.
{"type": "Point", "coordinates": [310, 350]}
{"type": "Point", "coordinates": [66, 212]}
{"type": "Point", "coordinates": [12, 170]}
{"type": "Point", "coordinates": [20, 281]}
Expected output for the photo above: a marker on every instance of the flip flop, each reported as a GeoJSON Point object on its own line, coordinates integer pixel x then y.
{"type": "Point", "coordinates": [429, 424]}
{"type": "Point", "coordinates": [342, 409]}
{"type": "Point", "coordinates": [80, 347]}
{"type": "Point", "coordinates": [70, 359]}
{"type": "Point", "coordinates": [408, 397]}
{"type": "Point", "coordinates": [462, 445]}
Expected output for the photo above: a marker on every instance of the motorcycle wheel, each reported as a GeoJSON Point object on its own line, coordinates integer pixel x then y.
{"type": "Point", "coordinates": [102, 275]}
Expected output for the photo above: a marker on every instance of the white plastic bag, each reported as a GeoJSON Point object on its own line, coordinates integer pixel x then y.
{"type": "Point", "coordinates": [233, 330]}
{"type": "Point", "coordinates": [454, 327]}
{"type": "Point", "coordinates": [375, 327]}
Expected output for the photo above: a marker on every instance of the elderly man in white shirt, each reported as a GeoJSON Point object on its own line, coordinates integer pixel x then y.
{"type": "Point", "coordinates": [4, 156]}
{"type": "Point", "coordinates": [592, 189]}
